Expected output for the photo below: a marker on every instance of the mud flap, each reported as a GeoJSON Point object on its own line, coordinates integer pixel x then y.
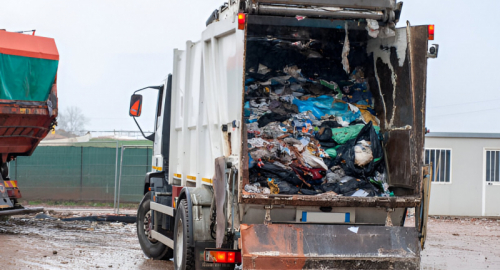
{"type": "Point", "coordinates": [297, 246]}
{"type": "Point", "coordinates": [4, 197]}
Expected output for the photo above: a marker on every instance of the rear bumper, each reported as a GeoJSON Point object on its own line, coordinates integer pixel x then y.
{"type": "Point", "coordinates": [298, 246]}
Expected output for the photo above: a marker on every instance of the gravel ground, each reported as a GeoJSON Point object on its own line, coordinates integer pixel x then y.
{"type": "Point", "coordinates": [467, 243]}
{"type": "Point", "coordinates": [27, 243]}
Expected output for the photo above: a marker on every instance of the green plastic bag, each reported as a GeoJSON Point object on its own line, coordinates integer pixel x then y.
{"type": "Point", "coordinates": [342, 135]}
{"type": "Point", "coordinates": [331, 152]}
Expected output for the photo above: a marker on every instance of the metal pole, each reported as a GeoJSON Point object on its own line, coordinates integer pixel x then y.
{"type": "Point", "coordinates": [147, 162]}
{"type": "Point", "coordinates": [119, 182]}
{"type": "Point", "coordinates": [116, 175]}
{"type": "Point", "coordinates": [81, 171]}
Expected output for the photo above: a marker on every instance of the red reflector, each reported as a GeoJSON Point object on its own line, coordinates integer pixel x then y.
{"type": "Point", "coordinates": [221, 256]}
{"type": "Point", "coordinates": [431, 32]}
{"type": "Point", "coordinates": [241, 21]}
{"type": "Point", "coordinates": [230, 257]}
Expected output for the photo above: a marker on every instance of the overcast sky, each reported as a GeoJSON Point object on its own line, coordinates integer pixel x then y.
{"type": "Point", "coordinates": [108, 49]}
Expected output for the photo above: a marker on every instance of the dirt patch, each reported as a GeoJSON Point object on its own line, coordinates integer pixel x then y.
{"type": "Point", "coordinates": [467, 243]}
{"type": "Point", "coordinates": [54, 244]}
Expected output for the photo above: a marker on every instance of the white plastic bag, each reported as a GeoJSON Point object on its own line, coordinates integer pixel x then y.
{"type": "Point", "coordinates": [362, 153]}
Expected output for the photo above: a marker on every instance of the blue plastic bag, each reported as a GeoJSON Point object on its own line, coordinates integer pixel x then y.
{"type": "Point", "coordinates": [248, 111]}
{"type": "Point", "coordinates": [324, 105]}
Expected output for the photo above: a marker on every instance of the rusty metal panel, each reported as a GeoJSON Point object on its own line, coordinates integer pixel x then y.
{"type": "Point", "coordinates": [293, 246]}
{"type": "Point", "coordinates": [418, 45]}
{"type": "Point", "coordinates": [398, 157]}
{"type": "Point", "coordinates": [329, 200]}
{"type": "Point", "coordinates": [426, 196]}
{"type": "Point", "coordinates": [22, 128]}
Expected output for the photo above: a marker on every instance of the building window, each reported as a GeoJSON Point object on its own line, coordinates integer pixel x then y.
{"type": "Point", "coordinates": [441, 164]}
{"type": "Point", "coordinates": [492, 166]}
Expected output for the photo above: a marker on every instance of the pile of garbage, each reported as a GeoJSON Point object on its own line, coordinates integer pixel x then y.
{"type": "Point", "coordinates": [311, 124]}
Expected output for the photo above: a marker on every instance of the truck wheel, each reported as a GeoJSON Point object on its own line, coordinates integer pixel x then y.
{"type": "Point", "coordinates": [183, 255]}
{"type": "Point", "coordinates": [151, 247]}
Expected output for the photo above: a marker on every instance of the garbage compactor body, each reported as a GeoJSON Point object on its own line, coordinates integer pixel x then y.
{"type": "Point", "coordinates": [232, 181]}
{"type": "Point", "coordinates": [28, 100]}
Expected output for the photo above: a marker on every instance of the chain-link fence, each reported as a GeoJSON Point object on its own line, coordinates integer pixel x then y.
{"type": "Point", "coordinates": [80, 172]}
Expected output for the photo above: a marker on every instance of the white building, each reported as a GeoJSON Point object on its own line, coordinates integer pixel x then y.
{"type": "Point", "coordinates": [468, 180]}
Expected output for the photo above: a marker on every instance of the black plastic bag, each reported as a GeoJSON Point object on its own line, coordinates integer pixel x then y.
{"type": "Point", "coordinates": [271, 117]}
{"type": "Point", "coordinates": [327, 145]}
{"type": "Point", "coordinates": [331, 187]}
{"type": "Point", "coordinates": [308, 191]}
{"type": "Point", "coordinates": [282, 187]}
{"type": "Point", "coordinates": [351, 185]}
{"type": "Point", "coordinates": [348, 188]}
{"type": "Point", "coordinates": [270, 170]}
{"type": "Point", "coordinates": [329, 162]}
{"type": "Point", "coordinates": [346, 155]}
{"type": "Point", "coordinates": [324, 135]}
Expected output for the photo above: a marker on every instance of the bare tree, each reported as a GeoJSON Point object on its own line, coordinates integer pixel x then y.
{"type": "Point", "coordinates": [72, 120]}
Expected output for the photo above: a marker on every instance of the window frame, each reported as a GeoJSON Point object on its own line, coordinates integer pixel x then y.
{"type": "Point", "coordinates": [485, 151]}
{"type": "Point", "coordinates": [450, 165]}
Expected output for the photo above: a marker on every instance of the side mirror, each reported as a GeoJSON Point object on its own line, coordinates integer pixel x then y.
{"type": "Point", "coordinates": [135, 105]}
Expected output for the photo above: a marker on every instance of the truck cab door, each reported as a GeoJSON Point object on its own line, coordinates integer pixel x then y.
{"type": "Point", "coordinates": [161, 146]}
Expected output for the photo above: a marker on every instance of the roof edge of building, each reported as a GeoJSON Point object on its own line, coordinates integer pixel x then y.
{"type": "Point", "coordinates": [463, 135]}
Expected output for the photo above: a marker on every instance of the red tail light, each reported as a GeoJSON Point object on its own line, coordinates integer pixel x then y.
{"type": "Point", "coordinates": [431, 32]}
{"type": "Point", "coordinates": [222, 256]}
{"type": "Point", "coordinates": [241, 21]}
{"type": "Point", "coordinates": [230, 257]}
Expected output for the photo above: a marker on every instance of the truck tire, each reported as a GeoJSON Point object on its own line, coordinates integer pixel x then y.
{"type": "Point", "coordinates": [183, 255]}
{"type": "Point", "coordinates": [151, 247]}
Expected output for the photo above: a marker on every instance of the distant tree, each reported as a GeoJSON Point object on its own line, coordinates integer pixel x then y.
{"type": "Point", "coordinates": [72, 120]}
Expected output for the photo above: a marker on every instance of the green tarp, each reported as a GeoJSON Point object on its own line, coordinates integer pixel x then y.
{"type": "Point", "coordinates": [26, 78]}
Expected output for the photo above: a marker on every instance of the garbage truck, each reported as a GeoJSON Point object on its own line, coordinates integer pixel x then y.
{"type": "Point", "coordinates": [291, 136]}
{"type": "Point", "coordinates": [28, 105]}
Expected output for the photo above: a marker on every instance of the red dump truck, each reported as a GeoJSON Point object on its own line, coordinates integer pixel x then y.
{"type": "Point", "coordinates": [28, 104]}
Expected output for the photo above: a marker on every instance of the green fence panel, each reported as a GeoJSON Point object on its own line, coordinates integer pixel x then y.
{"type": "Point", "coordinates": [80, 173]}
